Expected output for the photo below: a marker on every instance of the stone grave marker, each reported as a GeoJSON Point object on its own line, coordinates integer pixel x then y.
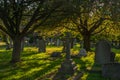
{"type": "Point", "coordinates": [41, 44]}
{"type": "Point", "coordinates": [68, 66]}
{"type": "Point", "coordinates": [82, 52]}
{"type": "Point", "coordinates": [102, 52]}
{"type": "Point", "coordinates": [56, 54]}
{"type": "Point", "coordinates": [111, 70]}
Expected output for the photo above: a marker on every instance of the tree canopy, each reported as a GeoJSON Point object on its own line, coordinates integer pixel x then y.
{"type": "Point", "coordinates": [21, 17]}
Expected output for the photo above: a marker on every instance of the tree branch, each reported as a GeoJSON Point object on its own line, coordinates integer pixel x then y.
{"type": "Point", "coordinates": [7, 22]}
{"type": "Point", "coordinates": [99, 31]}
{"type": "Point", "coordinates": [4, 30]}
{"type": "Point", "coordinates": [97, 24]}
{"type": "Point", "coordinates": [32, 20]}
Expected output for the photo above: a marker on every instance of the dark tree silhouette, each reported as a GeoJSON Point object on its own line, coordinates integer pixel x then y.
{"type": "Point", "coordinates": [21, 17]}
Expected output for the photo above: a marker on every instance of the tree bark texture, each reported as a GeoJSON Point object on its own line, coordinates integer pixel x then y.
{"type": "Point", "coordinates": [86, 44]}
{"type": "Point", "coordinates": [16, 50]}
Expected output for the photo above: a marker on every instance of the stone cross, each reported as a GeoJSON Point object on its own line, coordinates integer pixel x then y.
{"type": "Point", "coordinates": [68, 45]}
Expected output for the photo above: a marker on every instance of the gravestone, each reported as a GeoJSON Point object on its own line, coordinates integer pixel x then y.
{"type": "Point", "coordinates": [111, 70]}
{"type": "Point", "coordinates": [41, 44]}
{"type": "Point", "coordinates": [58, 42]}
{"type": "Point", "coordinates": [68, 66]}
{"type": "Point", "coordinates": [102, 52]}
{"type": "Point", "coordinates": [82, 52]}
{"type": "Point", "coordinates": [56, 54]}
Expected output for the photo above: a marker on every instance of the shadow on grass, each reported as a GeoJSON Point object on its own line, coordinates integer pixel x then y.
{"type": "Point", "coordinates": [42, 69]}
{"type": "Point", "coordinates": [27, 53]}
{"type": "Point", "coordinates": [5, 56]}
{"type": "Point", "coordinates": [29, 69]}
{"type": "Point", "coordinates": [93, 72]}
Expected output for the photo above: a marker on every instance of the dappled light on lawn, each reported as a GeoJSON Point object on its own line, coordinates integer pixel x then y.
{"type": "Point", "coordinates": [41, 66]}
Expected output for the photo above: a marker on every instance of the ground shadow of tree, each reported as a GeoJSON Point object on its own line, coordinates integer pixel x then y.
{"type": "Point", "coordinates": [24, 68]}
{"type": "Point", "coordinates": [39, 73]}
{"type": "Point", "coordinates": [95, 73]}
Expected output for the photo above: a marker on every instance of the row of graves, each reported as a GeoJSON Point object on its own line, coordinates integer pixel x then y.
{"type": "Point", "coordinates": [104, 57]}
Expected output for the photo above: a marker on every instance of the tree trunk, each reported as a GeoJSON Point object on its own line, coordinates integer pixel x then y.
{"type": "Point", "coordinates": [16, 50]}
{"type": "Point", "coordinates": [86, 44]}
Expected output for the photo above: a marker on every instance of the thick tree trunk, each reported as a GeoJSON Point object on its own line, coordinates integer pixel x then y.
{"type": "Point", "coordinates": [86, 44]}
{"type": "Point", "coordinates": [16, 50]}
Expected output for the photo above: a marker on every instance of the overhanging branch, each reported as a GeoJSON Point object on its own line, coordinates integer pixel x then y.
{"type": "Point", "coordinates": [4, 30]}
{"type": "Point", "coordinates": [96, 25]}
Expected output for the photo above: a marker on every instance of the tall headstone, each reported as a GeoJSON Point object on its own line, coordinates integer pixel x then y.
{"type": "Point", "coordinates": [42, 45]}
{"type": "Point", "coordinates": [68, 45]}
{"type": "Point", "coordinates": [58, 42]}
{"type": "Point", "coordinates": [102, 52]}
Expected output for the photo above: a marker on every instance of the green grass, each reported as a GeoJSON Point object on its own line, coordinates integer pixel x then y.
{"type": "Point", "coordinates": [33, 66]}
{"type": "Point", "coordinates": [40, 66]}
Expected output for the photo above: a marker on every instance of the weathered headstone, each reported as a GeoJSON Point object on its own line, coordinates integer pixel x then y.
{"type": "Point", "coordinates": [82, 52]}
{"type": "Point", "coordinates": [102, 52]}
{"type": "Point", "coordinates": [42, 45]}
{"type": "Point", "coordinates": [56, 54]}
{"type": "Point", "coordinates": [111, 70]}
{"type": "Point", "coordinates": [58, 42]}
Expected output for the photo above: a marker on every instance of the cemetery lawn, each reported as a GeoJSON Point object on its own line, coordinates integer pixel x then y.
{"type": "Point", "coordinates": [40, 66]}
